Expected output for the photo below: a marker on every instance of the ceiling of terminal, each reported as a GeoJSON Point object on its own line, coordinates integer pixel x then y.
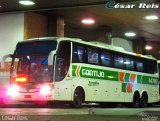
{"type": "Point", "coordinates": [120, 20]}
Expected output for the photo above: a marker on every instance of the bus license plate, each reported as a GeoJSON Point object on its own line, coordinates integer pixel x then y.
{"type": "Point", "coordinates": [27, 96]}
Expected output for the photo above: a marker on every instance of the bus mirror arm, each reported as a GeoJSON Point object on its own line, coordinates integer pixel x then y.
{"type": "Point", "coordinates": [4, 60]}
{"type": "Point", "coordinates": [51, 57]}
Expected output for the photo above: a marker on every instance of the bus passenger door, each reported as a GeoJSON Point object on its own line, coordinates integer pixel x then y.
{"type": "Point", "coordinates": [62, 82]}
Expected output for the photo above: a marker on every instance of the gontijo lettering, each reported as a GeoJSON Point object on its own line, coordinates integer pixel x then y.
{"type": "Point", "coordinates": [93, 73]}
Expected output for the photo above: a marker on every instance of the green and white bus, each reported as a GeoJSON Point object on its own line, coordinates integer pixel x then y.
{"type": "Point", "coordinates": [75, 71]}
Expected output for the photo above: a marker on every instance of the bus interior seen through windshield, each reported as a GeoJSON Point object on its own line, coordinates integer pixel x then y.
{"type": "Point", "coordinates": [31, 61]}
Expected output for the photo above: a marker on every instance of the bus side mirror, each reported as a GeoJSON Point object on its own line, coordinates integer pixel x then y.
{"type": "Point", "coordinates": [4, 60]}
{"type": "Point", "coordinates": [51, 57]}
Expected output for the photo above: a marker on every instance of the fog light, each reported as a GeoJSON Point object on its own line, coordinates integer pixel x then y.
{"type": "Point", "coordinates": [13, 91]}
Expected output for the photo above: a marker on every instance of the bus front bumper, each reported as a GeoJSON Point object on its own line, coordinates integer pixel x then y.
{"type": "Point", "coordinates": [15, 93]}
{"type": "Point", "coordinates": [30, 97]}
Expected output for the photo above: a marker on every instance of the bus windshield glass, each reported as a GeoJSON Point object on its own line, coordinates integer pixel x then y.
{"type": "Point", "coordinates": [31, 60]}
{"type": "Point", "coordinates": [35, 48]}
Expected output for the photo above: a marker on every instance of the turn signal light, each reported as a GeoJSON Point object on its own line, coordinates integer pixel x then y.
{"type": "Point", "coordinates": [20, 79]}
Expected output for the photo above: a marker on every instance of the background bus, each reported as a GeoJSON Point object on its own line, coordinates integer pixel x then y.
{"type": "Point", "coordinates": [74, 71]}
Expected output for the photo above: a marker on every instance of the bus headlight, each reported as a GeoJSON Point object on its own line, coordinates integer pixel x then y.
{"type": "Point", "coordinates": [13, 90]}
{"type": "Point", "coordinates": [45, 90]}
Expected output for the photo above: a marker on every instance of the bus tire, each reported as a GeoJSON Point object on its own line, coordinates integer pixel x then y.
{"type": "Point", "coordinates": [78, 98]}
{"type": "Point", "coordinates": [136, 100]}
{"type": "Point", "coordinates": [144, 100]}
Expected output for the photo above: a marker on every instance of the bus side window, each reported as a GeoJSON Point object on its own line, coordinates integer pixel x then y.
{"type": "Point", "coordinates": [78, 54]}
{"type": "Point", "coordinates": [118, 61]}
{"type": "Point", "coordinates": [139, 66]}
{"type": "Point", "coordinates": [129, 64]}
{"type": "Point", "coordinates": [152, 67]}
{"type": "Point", "coordinates": [92, 56]}
{"type": "Point", "coordinates": [106, 59]}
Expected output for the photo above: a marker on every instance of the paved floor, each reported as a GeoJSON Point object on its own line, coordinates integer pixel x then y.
{"type": "Point", "coordinates": [84, 114]}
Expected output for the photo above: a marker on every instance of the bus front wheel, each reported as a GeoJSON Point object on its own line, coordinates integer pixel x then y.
{"type": "Point", "coordinates": [78, 98]}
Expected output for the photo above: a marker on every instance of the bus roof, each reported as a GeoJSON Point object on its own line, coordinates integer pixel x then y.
{"type": "Point", "coordinates": [52, 38]}
{"type": "Point", "coordinates": [93, 43]}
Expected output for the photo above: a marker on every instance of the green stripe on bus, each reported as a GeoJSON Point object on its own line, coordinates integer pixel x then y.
{"type": "Point", "coordinates": [74, 67]}
{"type": "Point", "coordinates": [139, 78]}
{"type": "Point", "coordinates": [149, 80]}
{"type": "Point", "coordinates": [124, 85]}
{"type": "Point", "coordinates": [127, 77]}
{"type": "Point", "coordinates": [94, 73]}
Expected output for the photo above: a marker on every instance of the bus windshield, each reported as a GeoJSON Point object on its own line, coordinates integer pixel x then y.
{"type": "Point", "coordinates": [35, 48]}
{"type": "Point", "coordinates": [31, 60]}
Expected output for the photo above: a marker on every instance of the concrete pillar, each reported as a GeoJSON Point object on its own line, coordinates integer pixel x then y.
{"type": "Point", "coordinates": [38, 25]}
{"type": "Point", "coordinates": [52, 25]}
{"type": "Point", "coordinates": [139, 45]}
{"type": "Point", "coordinates": [35, 25]}
{"type": "Point", "coordinates": [56, 26]}
{"type": "Point", "coordinates": [60, 26]}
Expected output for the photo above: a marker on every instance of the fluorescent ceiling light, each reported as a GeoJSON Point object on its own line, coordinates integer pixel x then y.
{"type": "Point", "coordinates": [26, 2]}
{"type": "Point", "coordinates": [130, 34]}
{"type": "Point", "coordinates": [88, 21]}
{"type": "Point", "coordinates": [151, 17]}
{"type": "Point", "coordinates": [148, 47]}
